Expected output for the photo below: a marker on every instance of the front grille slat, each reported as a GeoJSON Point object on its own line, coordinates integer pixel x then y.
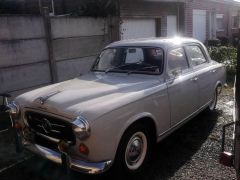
{"type": "Point", "coordinates": [49, 126]}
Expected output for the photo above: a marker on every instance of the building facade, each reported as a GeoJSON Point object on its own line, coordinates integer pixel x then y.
{"type": "Point", "coordinates": [201, 19]}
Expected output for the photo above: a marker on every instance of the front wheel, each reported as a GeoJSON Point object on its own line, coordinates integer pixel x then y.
{"type": "Point", "coordinates": [134, 150]}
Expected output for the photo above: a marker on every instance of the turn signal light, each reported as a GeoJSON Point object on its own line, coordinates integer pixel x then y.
{"type": "Point", "coordinates": [83, 149]}
{"type": "Point", "coordinates": [226, 159]}
{"type": "Point", "coordinates": [18, 126]}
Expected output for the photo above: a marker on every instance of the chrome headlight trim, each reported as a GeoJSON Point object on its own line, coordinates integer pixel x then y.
{"type": "Point", "coordinates": [81, 128]}
{"type": "Point", "coordinates": [14, 109]}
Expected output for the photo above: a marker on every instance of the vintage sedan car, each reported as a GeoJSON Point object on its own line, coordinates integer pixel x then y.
{"type": "Point", "coordinates": [137, 93]}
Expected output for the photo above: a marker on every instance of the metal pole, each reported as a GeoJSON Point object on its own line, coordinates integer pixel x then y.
{"type": "Point", "coordinates": [53, 7]}
{"type": "Point", "coordinates": [178, 18]}
{"type": "Point", "coordinates": [237, 110]}
{"type": "Point", "coordinates": [48, 31]}
{"type": "Point", "coordinates": [40, 6]}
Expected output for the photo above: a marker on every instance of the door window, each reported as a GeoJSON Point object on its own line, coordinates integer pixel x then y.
{"type": "Point", "coordinates": [196, 56]}
{"type": "Point", "coordinates": [177, 61]}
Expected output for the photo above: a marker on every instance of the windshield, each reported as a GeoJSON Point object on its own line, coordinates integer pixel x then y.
{"type": "Point", "coordinates": [131, 60]}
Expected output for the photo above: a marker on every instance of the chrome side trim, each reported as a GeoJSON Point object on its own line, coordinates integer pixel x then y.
{"type": "Point", "coordinates": [75, 164]}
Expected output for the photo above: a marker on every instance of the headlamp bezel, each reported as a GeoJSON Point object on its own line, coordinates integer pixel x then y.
{"type": "Point", "coordinates": [81, 128]}
{"type": "Point", "coordinates": [13, 109]}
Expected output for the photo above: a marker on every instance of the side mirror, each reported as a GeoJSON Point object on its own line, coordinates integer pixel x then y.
{"type": "Point", "coordinates": [5, 120]}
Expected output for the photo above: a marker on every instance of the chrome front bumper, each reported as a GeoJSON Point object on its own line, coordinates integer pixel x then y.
{"type": "Point", "coordinates": [75, 164]}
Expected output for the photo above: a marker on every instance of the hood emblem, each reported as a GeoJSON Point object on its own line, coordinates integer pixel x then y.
{"type": "Point", "coordinates": [43, 99]}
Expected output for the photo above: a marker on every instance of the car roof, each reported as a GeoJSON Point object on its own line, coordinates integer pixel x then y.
{"type": "Point", "coordinates": [163, 43]}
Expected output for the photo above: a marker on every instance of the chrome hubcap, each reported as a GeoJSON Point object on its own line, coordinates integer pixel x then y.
{"type": "Point", "coordinates": [136, 151]}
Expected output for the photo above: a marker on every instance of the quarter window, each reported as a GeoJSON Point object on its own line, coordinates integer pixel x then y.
{"type": "Point", "coordinates": [196, 56]}
{"type": "Point", "coordinates": [177, 61]}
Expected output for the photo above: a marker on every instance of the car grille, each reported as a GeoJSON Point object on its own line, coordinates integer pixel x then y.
{"type": "Point", "coordinates": [49, 130]}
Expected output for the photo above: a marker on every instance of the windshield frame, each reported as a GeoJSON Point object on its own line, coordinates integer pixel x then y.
{"type": "Point", "coordinates": [126, 71]}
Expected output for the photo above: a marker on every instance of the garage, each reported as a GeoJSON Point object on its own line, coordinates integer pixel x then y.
{"type": "Point", "coordinates": [171, 26]}
{"type": "Point", "coordinates": [132, 28]}
{"type": "Point", "coordinates": [199, 24]}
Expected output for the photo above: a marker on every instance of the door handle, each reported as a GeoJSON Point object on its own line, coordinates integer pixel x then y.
{"type": "Point", "coordinates": [194, 79]}
{"type": "Point", "coordinates": [213, 71]}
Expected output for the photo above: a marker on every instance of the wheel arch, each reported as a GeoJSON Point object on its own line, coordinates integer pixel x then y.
{"type": "Point", "coordinates": [145, 118]}
{"type": "Point", "coordinates": [219, 85]}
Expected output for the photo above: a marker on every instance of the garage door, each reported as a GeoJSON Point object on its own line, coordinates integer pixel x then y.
{"type": "Point", "coordinates": [138, 28]}
{"type": "Point", "coordinates": [171, 26]}
{"type": "Point", "coordinates": [199, 24]}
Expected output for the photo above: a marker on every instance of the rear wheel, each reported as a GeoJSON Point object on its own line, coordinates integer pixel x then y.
{"type": "Point", "coordinates": [134, 150]}
{"type": "Point", "coordinates": [212, 105]}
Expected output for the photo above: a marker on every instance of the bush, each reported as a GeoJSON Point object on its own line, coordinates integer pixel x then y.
{"type": "Point", "coordinates": [224, 41]}
{"type": "Point", "coordinates": [226, 55]}
{"type": "Point", "coordinates": [214, 42]}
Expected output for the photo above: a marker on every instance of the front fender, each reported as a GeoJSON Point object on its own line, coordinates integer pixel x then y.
{"type": "Point", "coordinates": [135, 118]}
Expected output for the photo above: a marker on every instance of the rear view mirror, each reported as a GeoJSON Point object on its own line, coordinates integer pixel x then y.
{"type": "Point", "coordinates": [5, 121]}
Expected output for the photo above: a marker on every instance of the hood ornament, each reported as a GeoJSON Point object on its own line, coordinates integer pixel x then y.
{"type": "Point", "coordinates": [43, 99]}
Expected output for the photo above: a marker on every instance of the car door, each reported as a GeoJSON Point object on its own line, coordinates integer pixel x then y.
{"type": "Point", "coordinates": [182, 86]}
{"type": "Point", "coordinates": [204, 74]}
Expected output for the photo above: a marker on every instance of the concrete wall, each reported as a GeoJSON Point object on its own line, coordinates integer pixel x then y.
{"type": "Point", "coordinates": [24, 62]}
{"type": "Point", "coordinates": [76, 43]}
{"type": "Point", "coordinates": [23, 52]}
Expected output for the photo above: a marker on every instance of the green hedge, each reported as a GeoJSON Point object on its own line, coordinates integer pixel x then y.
{"type": "Point", "coordinates": [226, 55]}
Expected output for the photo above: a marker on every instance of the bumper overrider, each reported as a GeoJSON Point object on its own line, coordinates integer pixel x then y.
{"type": "Point", "coordinates": [61, 156]}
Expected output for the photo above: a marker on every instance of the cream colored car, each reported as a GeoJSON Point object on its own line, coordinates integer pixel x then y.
{"type": "Point", "coordinates": [137, 93]}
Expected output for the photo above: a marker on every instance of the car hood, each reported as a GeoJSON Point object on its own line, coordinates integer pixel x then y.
{"type": "Point", "coordinates": [90, 95]}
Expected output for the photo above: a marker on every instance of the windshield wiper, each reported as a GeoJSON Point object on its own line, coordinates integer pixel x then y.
{"type": "Point", "coordinates": [117, 67]}
{"type": "Point", "coordinates": [137, 70]}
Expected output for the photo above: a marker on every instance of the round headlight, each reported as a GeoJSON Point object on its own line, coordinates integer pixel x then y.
{"type": "Point", "coordinates": [81, 128]}
{"type": "Point", "coordinates": [14, 109]}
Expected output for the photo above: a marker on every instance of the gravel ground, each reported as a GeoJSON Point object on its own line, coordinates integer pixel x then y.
{"type": "Point", "coordinates": [190, 153]}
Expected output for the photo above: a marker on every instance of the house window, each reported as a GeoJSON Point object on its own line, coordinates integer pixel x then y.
{"type": "Point", "coordinates": [220, 22]}
{"type": "Point", "coordinates": [235, 22]}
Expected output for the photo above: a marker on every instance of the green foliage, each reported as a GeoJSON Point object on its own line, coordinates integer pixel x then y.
{"type": "Point", "coordinates": [226, 55]}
